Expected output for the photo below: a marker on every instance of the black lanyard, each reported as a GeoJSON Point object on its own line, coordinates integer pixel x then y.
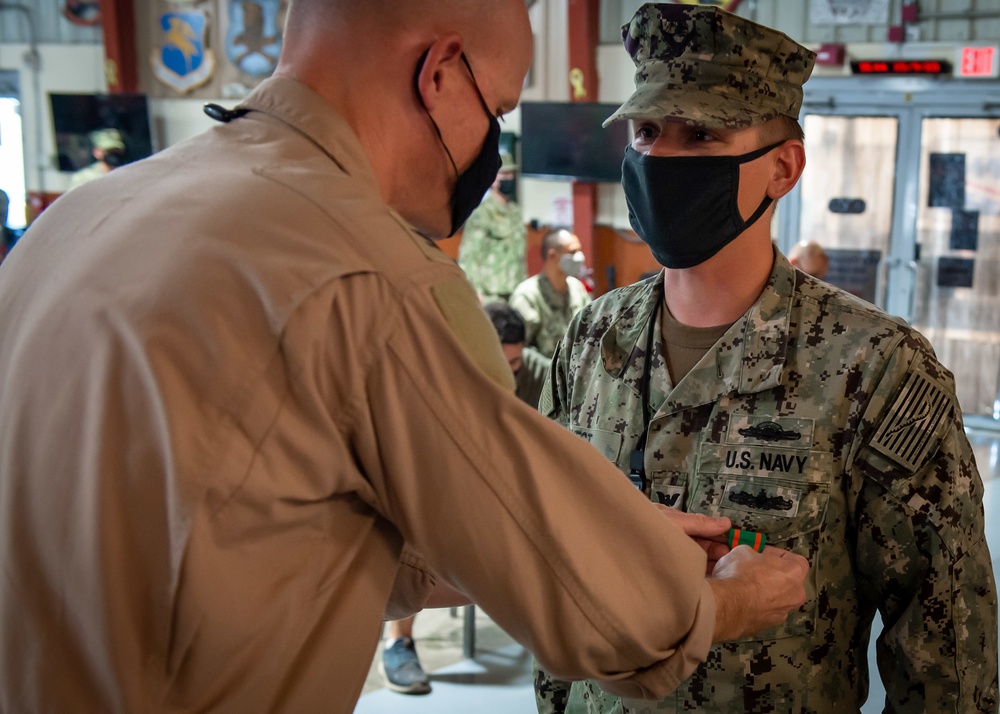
{"type": "Point", "coordinates": [636, 460]}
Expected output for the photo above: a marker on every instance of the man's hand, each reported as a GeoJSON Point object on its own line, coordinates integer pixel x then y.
{"type": "Point", "coordinates": [755, 591]}
{"type": "Point", "coordinates": [707, 531]}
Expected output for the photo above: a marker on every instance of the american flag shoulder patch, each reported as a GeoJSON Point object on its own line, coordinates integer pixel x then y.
{"type": "Point", "coordinates": [908, 433]}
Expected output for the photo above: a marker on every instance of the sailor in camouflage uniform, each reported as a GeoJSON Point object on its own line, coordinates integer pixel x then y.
{"type": "Point", "coordinates": [494, 240]}
{"type": "Point", "coordinates": [108, 150]}
{"type": "Point", "coordinates": [547, 301]}
{"type": "Point", "coordinates": [807, 415]}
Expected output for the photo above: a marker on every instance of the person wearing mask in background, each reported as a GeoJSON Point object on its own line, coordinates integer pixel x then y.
{"type": "Point", "coordinates": [494, 239]}
{"type": "Point", "coordinates": [731, 384]}
{"type": "Point", "coordinates": [809, 257]}
{"type": "Point", "coordinates": [108, 151]}
{"type": "Point", "coordinates": [528, 366]}
{"type": "Point", "coordinates": [549, 300]}
{"type": "Point", "coordinates": [249, 409]}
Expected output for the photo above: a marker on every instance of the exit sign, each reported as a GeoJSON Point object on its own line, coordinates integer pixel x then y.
{"type": "Point", "coordinates": [979, 62]}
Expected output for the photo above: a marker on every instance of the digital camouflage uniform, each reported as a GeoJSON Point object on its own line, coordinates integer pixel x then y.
{"type": "Point", "coordinates": [491, 253]}
{"type": "Point", "coordinates": [815, 419]}
{"type": "Point", "coordinates": [87, 174]}
{"type": "Point", "coordinates": [833, 429]}
{"type": "Point", "coordinates": [546, 313]}
{"type": "Point", "coordinates": [106, 140]}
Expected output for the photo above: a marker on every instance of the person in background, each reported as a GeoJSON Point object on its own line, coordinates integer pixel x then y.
{"type": "Point", "coordinates": [400, 664]}
{"type": "Point", "coordinates": [549, 300]}
{"type": "Point", "coordinates": [494, 239]}
{"type": "Point", "coordinates": [108, 150]}
{"type": "Point", "coordinates": [731, 384]}
{"type": "Point", "coordinates": [5, 232]}
{"type": "Point", "coordinates": [249, 410]}
{"type": "Point", "coordinates": [809, 257]}
{"type": "Point", "coordinates": [528, 366]}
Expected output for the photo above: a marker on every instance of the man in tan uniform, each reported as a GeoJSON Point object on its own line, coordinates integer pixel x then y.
{"type": "Point", "coordinates": [247, 410]}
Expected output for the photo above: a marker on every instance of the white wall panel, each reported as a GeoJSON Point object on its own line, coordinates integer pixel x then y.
{"type": "Point", "coordinates": [64, 68]}
{"type": "Point", "coordinates": [49, 23]}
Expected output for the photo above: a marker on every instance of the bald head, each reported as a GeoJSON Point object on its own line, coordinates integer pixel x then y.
{"type": "Point", "coordinates": [809, 257]}
{"type": "Point", "coordinates": [417, 80]}
{"type": "Point", "coordinates": [491, 29]}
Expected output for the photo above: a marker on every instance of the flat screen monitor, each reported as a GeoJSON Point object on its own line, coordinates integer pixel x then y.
{"type": "Point", "coordinates": [75, 116]}
{"type": "Point", "coordinates": [564, 140]}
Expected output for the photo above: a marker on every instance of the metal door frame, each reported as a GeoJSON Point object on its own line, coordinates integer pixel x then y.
{"type": "Point", "coordinates": [910, 100]}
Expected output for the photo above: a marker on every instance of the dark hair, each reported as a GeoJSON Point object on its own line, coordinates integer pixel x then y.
{"type": "Point", "coordinates": [551, 240]}
{"type": "Point", "coordinates": [506, 321]}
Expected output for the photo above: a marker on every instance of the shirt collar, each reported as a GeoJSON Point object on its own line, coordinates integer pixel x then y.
{"type": "Point", "coordinates": [296, 105]}
{"type": "Point", "coordinates": [748, 358]}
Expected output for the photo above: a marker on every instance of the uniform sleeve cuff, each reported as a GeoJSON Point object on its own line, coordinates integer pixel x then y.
{"type": "Point", "coordinates": [664, 677]}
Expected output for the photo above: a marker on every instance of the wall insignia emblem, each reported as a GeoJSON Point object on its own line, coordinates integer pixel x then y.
{"type": "Point", "coordinates": [253, 39]}
{"type": "Point", "coordinates": [183, 61]}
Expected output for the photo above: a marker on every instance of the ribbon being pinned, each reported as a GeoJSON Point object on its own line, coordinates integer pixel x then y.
{"type": "Point", "coordinates": [753, 539]}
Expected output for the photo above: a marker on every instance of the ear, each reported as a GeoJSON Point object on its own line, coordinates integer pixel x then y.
{"type": "Point", "coordinates": [790, 161]}
{"type": "Point", "coordinates": [439, 61]}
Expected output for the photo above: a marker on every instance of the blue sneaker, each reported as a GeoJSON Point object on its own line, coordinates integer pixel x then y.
{"type": "Point", "coordinates": [401, 668]}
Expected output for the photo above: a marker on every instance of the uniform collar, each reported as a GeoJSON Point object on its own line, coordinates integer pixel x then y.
{"type": "Point", "coordinates": [748, 358]}
{"type": "Point", "coordinates": [294, 104]}
{"type": "Point", "coordinates": [550, 294]}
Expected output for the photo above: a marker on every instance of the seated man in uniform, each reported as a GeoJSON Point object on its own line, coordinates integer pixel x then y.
{"type": "Point", "coordinates": [732, 385]}
{"type": "Point", "coordinates": [548, 301]}
{"type": "Point", "coordinates": [528, 366]}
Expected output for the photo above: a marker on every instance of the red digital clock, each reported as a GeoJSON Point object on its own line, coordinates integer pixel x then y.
{"type": "Point", "coordinates": [882, 67]}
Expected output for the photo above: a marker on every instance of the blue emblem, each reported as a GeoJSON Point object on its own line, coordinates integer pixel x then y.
{"type": "Point", "coordinates": [253, 41]}
{"type": "Point", "coordinates": [183, 62]}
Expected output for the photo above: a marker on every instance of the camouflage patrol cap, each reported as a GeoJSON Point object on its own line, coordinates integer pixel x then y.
{"type": "Point", "coordinates": [107, 139]}
{"type": "Point", "coordinates": [711, 68]}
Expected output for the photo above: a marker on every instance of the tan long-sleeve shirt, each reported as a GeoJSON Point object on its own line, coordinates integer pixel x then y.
{"type": "Point", "coordinates": [233, 384]}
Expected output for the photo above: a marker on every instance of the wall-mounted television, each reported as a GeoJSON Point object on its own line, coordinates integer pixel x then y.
{"type": "Point", "coordinates": [564, 140]}
{"type": "Point", "coordinates": [75, 116]}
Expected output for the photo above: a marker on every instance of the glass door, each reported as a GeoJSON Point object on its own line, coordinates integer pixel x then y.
{"type": "Point", "coordinates": [957, 292]}
{"type": "Point", "coordinates": [847, 197]}
{"type": "Point", "coordinates": [902, 188]}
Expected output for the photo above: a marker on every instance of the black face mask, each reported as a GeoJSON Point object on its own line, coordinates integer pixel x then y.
{"type": "Point", "coordinates": [472, 184]}
{"type": "Point", "coordinates": [508, 187]}
{"type": "Point", "coordinates": [114, 159]}
{"type": "Point", "coordinates": [685, 207]}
